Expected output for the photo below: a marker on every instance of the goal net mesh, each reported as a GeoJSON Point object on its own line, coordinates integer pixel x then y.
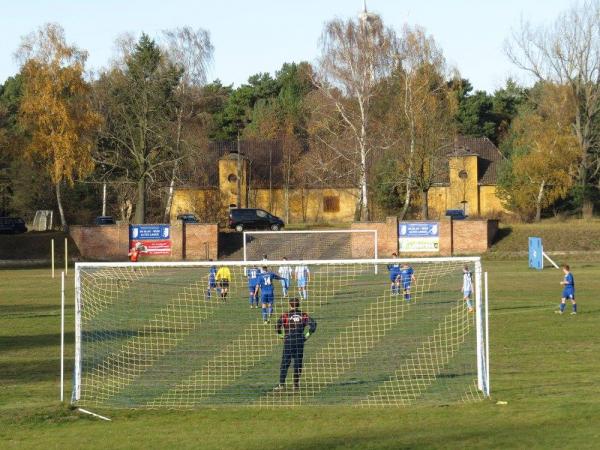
{"type": "Point", "coordinates": [162, 336]}
{"type": "Point", "coordinates": [325, 245]}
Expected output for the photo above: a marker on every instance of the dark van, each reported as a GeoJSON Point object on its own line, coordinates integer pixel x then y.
{"type": "Point", "coordinates": [12, 225]}
{"type": "Point", "coordinates": [456, 214]}
{"type": "Point", "coordinates": [188, 218]}
{"type": "Point", "coordinates": [252, 219]}
{"type": "Point", "coordinates": [104, 220]}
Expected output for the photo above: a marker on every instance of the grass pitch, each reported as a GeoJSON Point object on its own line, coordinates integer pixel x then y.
{"type": "Point", "coordinates": [545, 366]}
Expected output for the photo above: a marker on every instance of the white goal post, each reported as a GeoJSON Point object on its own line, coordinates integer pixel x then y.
{"type": "Point", "coordinates": [168, 335]}
{"type": "Point", "coordinates": [310, 244]}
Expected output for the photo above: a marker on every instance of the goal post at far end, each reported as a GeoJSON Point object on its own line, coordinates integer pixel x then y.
{"type": "Point", "coordinates": [310, 244]}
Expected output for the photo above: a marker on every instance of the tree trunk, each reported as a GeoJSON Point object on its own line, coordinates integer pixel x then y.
{"type": "Point", "coordinates": [140, 206]}
{"type": "Point", "coordinates": [538, 202]}
{"type": "Point", "coordinates": [409, 116]}
{"type": "Point", "coordinates": [166, 217]}
{"type": "Point", "coordinates": [63, 221]}
{"type": "Point", "coordinates": [424, 206]}
{"type": "Point", "coordinates": [286, 203]}
{"type": "Point", "coordinates": [104, 198]}
{"type": "Point", "coordinates": [587, 204]}
{"type": "Point", "coordinates": [364, 192]}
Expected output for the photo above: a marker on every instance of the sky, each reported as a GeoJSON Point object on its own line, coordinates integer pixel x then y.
{"type": "Point", "coordinates": [260, 35]}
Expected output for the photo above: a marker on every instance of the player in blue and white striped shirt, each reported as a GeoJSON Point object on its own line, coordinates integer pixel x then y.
{"type": "Point", "coordinates": [302, 275]}
{"type": "Point", "coordinates": [467, 287]}
{"type": "Point", "coordinates": [285, 272]}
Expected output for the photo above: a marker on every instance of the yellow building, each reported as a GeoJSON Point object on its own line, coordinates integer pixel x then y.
{"type": "Point", "coordinates": [307, 204]}
{"type": "Point", "coordinates": [469, 184]}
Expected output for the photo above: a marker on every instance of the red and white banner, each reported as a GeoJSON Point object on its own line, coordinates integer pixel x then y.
{"type": "Point", "coordinates": [150, 239]}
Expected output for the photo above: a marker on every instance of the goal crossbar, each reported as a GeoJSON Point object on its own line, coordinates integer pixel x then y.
{"type": "Point", "coordinates": [472, 259]}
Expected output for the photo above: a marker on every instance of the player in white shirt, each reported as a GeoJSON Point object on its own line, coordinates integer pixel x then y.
{"type": "Point", "coordinates": [467, 287]}
{"type": "Point", "coordinates": [302, 275]}
{"type": "Point", "coordinates": [285, 272]}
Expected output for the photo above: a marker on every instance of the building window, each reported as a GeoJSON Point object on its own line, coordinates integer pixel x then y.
{"type": "Point", "coordinates": [331, 204]}
{"type": "Point", "coordinates": [232, 178]}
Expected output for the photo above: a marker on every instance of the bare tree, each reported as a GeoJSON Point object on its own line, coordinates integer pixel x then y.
{"type": "Point", "coordinates": [567, 52]}
{"type": "Point", "coordinates": [421, 115]}
{"type": "Point", "coordinates": [355, 56]}
{"type": "Point", "coordinates": [191, 51]}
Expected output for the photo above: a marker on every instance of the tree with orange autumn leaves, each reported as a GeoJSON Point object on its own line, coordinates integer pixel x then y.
{"type": "Point", "coordinates": [55, 108]}
{"type": "Point", "coordinates": [543, 163]}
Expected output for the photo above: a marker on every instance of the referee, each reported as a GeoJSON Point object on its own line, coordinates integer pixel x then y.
{"type": "Point", "coordinates": [294, 327]}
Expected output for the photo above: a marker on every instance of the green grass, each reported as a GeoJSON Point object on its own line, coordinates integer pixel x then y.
{"type": "Point", "coordinates": [36, 245]}
{"type": "Point", "coordinates": [574, 235]}
{"type": "Point", "coordinates": [544, 365]}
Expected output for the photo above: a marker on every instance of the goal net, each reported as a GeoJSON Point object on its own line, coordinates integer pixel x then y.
{"type": "Point", "coordinates": [168, 335]}
{"type": "Point", "coordinates": [322, 244]}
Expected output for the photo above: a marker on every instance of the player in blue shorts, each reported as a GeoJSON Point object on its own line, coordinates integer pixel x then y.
{"type": "Point", "coordinates": [568, 284]}
{"type": "Point", "coordinates": [212, 281]}
{"type": "Point", "coordinates": [407, 277]}
{"type": "Point", "coordinates": [285, 272]}
{"type": "Point", "coordinates": [302, 275]}
{"type": "Point", "coordinates": [252, 273]}
{"type": "Point", "coordinates": [467, 287]}
{"type": "Point", "coordinates": [394, 270]}
{"type": "Point", "coordinates": [267, 294]}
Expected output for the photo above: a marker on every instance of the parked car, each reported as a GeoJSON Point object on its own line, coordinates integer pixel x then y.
{"type": "Point", "coordinates": [456, 214]}
{"type": "Point", "coordinates": [12, 225]}
{"type": "Point", "coordinates": [104, 220]}
{"type": "Point", "coordinates": [252, 219]}
{"type": "Point", "coordinates": [188, 218]}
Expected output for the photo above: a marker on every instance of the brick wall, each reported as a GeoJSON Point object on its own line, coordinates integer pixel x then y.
{"type": "Point", "coordinates": [457, 237]}
{"type": "Point", "coordinates": [111, 242]}
{"type": "Point", "coordinates": [387, 237]}
{"type": "Point", "coordinates": [101, 243]}
{"type": "Point", "coordinates": [201, 241]}
{"type": "Point", "coordinates": [473, 236]}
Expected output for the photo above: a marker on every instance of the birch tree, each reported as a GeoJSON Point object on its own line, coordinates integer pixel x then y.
{"type": "Point", "coordinates": [355, 56]}
{"type": "Point", "coordinates": [56, 108]}
{"type": "Point", "coordinates": [190, 50]}
{"type": "Point", "coordinates": [421, 116]}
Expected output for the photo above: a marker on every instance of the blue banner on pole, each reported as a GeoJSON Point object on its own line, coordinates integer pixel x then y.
{"type": "Point", "coordinates": [536, 253]}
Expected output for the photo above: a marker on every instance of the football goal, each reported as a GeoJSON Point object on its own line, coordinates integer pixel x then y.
{"type": "Point", "coordinates": [313, 244]}
{"type": "Point", "coordinates": [177, 335]}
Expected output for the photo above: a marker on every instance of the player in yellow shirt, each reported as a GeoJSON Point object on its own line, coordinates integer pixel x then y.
{"type": "Point", "coordinates": [223, 277]}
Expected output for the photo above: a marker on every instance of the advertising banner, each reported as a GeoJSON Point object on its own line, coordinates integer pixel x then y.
{"type": "Point", "coordinates": [153, 239]}
{"type": "Point", "coordinates": [536, 260]}
{"type": "Point", "coordinates": [417, 237]}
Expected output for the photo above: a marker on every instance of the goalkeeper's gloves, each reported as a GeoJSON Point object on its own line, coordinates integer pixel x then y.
{"type": "Point", "coordinates": [281, 335]}
{"type": "Point", "coordinates": [306, 334]}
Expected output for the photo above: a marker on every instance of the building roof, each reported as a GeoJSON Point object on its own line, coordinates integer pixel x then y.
{"type": "Point", "coordinates": [488, 158]}
{"type": "Point", "coordinates": [266, 165]}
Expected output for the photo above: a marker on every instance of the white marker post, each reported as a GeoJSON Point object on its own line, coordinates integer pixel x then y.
{"type": "Point", "coordinates": [62, 337]}
{"type": "Point", "coordinates": [487, 335]}
{"type": "Point", "coordinates": [66, 257]}
{"type": "Point", "coordinates": [52, 255]}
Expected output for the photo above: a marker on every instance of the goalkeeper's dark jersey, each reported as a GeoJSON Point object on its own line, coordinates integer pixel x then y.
{"type": "Point", "coordinates": [293, 323]}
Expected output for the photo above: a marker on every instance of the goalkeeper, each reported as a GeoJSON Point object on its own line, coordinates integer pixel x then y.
{"type": "Point", "coordinates": [294, 327]}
